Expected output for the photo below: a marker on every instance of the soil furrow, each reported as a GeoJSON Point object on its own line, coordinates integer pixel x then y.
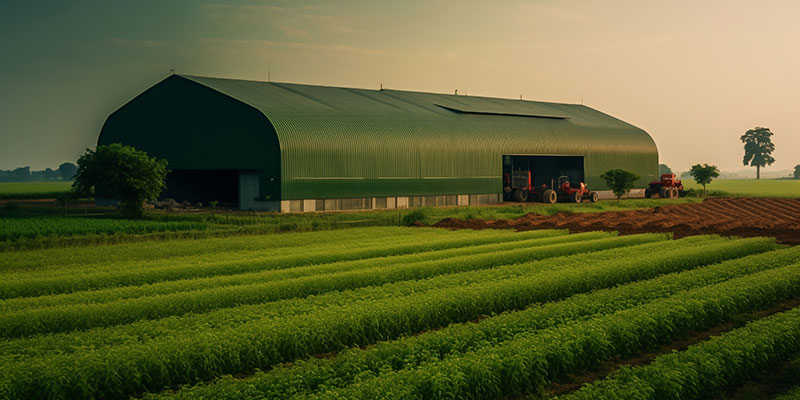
{"type": "Point", "coordinates": [779, 218]}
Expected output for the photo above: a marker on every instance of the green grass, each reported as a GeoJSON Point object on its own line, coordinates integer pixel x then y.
{"type": "Point", "coordinates": [751, 187]}
{"type": "Point", "coordinates": [13, 229]}
{"type": "Point", "coordinates": [32, 225]}
{"type": "Point", "coordinates": [32, 190]}
{"type": "Point", "coordinates": [514, 211]}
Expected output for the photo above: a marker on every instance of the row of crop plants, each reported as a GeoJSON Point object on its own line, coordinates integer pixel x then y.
{"type": "Point", "coordinates": [705, 368]}
{"type": "Point", "coordinates": [12, 229]}
{"type": "Point", "coordinates": [355, 365]}
{"type": "Point", "coordinates": [528, 361]}
{"type": "Point", "coordinates": [142, 255]}
{"type": "Point", "coordinates": [39, 283]}
{"type": "Point", "coordinates": [235, 316]}
{"type": "Point", "coordinates": [59, 318]}
{"type": "Point", "coordinates": [127, 346]}
{"type": "Point", "coordinates": [252, 259]}
{"type": "Point", "coordinates": [31, 320]}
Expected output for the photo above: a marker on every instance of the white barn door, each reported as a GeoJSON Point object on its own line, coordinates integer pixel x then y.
{"type": "Point", "coordinates": [248, 190]}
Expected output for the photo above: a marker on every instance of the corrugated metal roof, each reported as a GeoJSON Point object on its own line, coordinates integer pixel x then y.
{"type": "Point", "coordinates": [342, 142]}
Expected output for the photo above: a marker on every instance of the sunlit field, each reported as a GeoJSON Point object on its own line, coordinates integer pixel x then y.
{"type": "Point", "coordinates": [28, 190]}
{"type": "Point", "coordinates": [751, 187]}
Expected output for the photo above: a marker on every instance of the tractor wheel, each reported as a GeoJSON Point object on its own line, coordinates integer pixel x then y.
{"type": "Point", "coordinates": [506, 196]}
{"type": "Point", "coordinates": [577, 197]}
{"type": "Point", "coordinates": [673, 193]}
{"type": "Point", "coordinates": [520, 195]}
{"type": "Point", "coordinates": [647, 193]}
{"type": "Point", "coordinates": [593, 197]}
{"type": "Point", "coordinates": [549, 196]}
{"type": "Point", "coordinates": [663, 193]}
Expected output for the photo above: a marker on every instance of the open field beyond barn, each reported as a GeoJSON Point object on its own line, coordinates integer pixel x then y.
{"type": "Point", "coordinates": [750, 187]}
{"type": "Point", "coordinates": [391, 312]}
{"type": "Point", "coordinates": [32, 190]}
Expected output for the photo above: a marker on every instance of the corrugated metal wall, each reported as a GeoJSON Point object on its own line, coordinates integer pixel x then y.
{"type": "Point", "coordinates": [340, 142]}
{"type": "Point", "coordinates": [200, 130]}
{"type": "Point", "coordinates": [314, 142]}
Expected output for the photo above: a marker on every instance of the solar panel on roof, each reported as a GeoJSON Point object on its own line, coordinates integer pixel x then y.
{"type": "Point", "coordinates": [492, 109]}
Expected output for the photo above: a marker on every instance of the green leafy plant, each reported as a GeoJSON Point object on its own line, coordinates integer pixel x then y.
{"type": "Point", "coordinates": [414, 217]}
{"type": "Point", "coordinates": [620, 181]}
{"type": "Point", "coordinates": [704, 174]}
{"type": "Point", "coordinates": [124, 173]}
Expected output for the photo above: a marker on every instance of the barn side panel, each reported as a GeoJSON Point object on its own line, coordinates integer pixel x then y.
{"type": "Point", "coordinates": [207, 138]}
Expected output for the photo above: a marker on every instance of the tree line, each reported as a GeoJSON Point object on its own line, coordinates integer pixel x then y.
{"type": "Point", "coordinates": [64, 172]}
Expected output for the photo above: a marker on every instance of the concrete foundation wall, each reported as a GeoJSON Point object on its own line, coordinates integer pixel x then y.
{"type": "Point", "coordinates": [609, 195]}
{"type": "Point", "coordinates": [387, 203]}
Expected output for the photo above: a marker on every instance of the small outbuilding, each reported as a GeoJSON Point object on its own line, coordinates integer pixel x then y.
{"type": "Point", "coordinates": [294, 148]}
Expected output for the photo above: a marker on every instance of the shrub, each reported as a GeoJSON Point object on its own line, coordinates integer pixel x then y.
{"type": "Point", "coordinates": [414, 217]}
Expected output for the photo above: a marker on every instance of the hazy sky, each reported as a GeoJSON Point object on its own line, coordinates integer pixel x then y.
{"type": "Point", "coordinates": [694, 74]}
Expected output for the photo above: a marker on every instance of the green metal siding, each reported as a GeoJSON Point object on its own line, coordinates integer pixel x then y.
{"type": "Point", "coordinates": [198, 129]}
{"type": "Point", "coordinates": [316, 142]}
{"type": "Point", "coordinates": [341, 142]}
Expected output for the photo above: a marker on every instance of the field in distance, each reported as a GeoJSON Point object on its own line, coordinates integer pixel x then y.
{"type": "Point", "coordinates": [32, 190]}
{"type": "Point", "coordinates": [393, 312]}
{"type": "Point", "coordinates": [750, 187]}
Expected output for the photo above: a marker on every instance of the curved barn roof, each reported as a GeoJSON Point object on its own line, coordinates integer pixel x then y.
{"type": "Point", "coordinates": [331, 138]}
{"type": "Point", "coordinates": [316, 142]}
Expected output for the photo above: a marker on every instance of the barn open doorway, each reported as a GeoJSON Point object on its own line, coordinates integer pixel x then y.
{"type": "Point", "coordinates": [203, 186]}
{"type": "Point", "coordinates": [534, 171]}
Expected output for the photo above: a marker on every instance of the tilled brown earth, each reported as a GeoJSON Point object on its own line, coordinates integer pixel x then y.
{"type": "Point", "coordinates": [745, 217]}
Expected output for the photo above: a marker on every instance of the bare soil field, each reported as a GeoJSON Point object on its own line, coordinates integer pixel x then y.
{"type": "Point", "coordinates": [745, 217]}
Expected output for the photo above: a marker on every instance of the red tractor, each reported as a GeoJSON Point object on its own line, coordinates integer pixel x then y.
{"type": "Point", "coordinates": [518, 186]}
{"type": "Point", "coordinates": [575, 194]}
{"type": "Point", "coordinates": [666, 188]}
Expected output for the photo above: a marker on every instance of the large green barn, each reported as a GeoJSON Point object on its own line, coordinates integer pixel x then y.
{"type": "Point", "coordinates": [290, 148]}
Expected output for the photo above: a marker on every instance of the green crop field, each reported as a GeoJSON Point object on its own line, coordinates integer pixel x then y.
{"type": "Point", "coordinates": [12, 229]}
{"type": "Point", "coordinates": [38, 225]}
{"type": "Point", "coordinates": [32, 190]}
{"type": "Point", "coordinates": [396, 312]}
{"type": "Point", "coordinates": [751, 187]}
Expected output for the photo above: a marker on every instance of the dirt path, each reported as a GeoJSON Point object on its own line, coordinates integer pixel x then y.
{"type": "Point", "coordinates": [746, 217]}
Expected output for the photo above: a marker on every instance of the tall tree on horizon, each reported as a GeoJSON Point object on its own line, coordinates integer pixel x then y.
{"type": "Point", "coordinates": [758, 148]}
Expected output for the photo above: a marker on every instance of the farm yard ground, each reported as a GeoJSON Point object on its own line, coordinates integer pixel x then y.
{"type": "Point", "coordinates": [29, 221]}
{"type": "Point", "coordinates": [405, 313]}
{"type": "Point", "coordinates": [747, 217]}
{"type": "Point", "coordinates": [39, 223]}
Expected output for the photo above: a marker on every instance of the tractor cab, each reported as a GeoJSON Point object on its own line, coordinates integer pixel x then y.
{"type": "Point", "coordinates": [517, 185]}
{"type": "Point", "coordinates": [575, 194]}
{"type": "Point", "coordinates": [668, 187]}
{"type": "Point", "coordinates": [669, 180]}
{"type": "Point", "coordinates": [564, 185]}
{"type": "Point", "coordinates": [563, 182]}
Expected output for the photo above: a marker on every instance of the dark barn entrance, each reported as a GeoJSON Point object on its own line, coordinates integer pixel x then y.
{"type": "Point", "coordinates": [544, 170]}
{"type": "Point", "coordinates": [203, 186]}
